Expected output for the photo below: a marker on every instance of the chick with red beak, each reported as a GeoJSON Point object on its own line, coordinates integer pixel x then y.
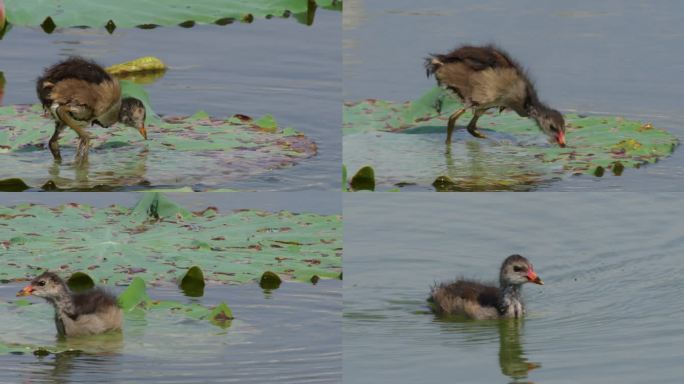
{"type": "Point", "coordinates": [26, 291]}
{"type": "Point", "coordinates": [532, 277]}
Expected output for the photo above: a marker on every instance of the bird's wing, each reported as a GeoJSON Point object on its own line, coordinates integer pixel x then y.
{"type": "Point", "coordinates": [97, 98]}
{"type": "Point", "coordinates": [93, 301]}
{"type": "Point", "coordinates": [473, 291]}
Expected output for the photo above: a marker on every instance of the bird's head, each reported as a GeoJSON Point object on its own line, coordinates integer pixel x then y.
{"type": "Point", "coordinates": [48, 286]}
{"type": "Point", "coordinates": [517, 270]}
{"type": "Point", "coordinates": [133, 114]}
{"type": "Point", "coordinates": [551, 122]}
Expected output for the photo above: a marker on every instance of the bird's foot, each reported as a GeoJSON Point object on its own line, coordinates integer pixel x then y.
{"type": "Point", "coordinates": [476, 133]}
{"type": "Point", "coordinates": [56, 155]}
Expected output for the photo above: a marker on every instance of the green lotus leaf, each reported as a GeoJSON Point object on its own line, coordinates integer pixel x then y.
{"type": "Point", "coordinates": [363, 180]}
{"type": "Point", "coordinates": [134, 295]}
{"type": "Point", "coordinates": [192, 283]}
{"type": "Point", "coordinates": [181, 151]}
{"type": "Point", "coordinates": [79, 282]}
{"type": "Point", "coordinates": [404, 144]}
{"type": "Point", "coordinates": [157, 238]}
{"type": "Point", "coordinates": [51, 14]}
{"type": "Point", "coordinates": [221, 316]}
{"type": "Point", "coordinates": [270, 281]}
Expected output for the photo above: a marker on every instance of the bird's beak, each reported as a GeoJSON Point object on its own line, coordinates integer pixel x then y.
{"type": "Point", "coordinates": [532, 277]}
{"type": "Point", "coordinates": [560, 138]}
{"type": "Point", "coordinates": [143, 131]}
{"type": "Point", "coordinates": [27, 291]}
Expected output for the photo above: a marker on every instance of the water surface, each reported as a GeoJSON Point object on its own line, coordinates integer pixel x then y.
{"type": "Point", "coordinates": [607, 312]}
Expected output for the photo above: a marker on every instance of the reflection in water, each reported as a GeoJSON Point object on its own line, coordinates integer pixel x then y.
{"type": "Point", "coordinates": [511, 355]}
{"type": "Point", "coordinates": [477, 170]}
{"type": "Point", "coordinates": [61, 367]}
{"type": "Point", "coordinates": [121, 170]}
{"type": "Point", "coordinates": [512, 360]}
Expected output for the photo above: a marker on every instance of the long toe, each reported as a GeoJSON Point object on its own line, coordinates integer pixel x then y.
{"type": "Point", "coordinates": [478, 134]}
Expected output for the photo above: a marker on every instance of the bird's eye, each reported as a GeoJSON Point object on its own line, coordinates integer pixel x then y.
{"type": "Point", "coordinates": [518, 268]}
{"type": "Point", "coordinates": [41, 283]}
{"type": "Point", "coordinates": [553, 128]}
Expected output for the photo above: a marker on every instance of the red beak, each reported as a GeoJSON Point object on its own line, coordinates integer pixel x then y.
{"type": "Point", "coordinates": [560, 138]}
{"type": "Point", "coordinates": [28, 290]}
{"type": "Point", "coordinates": [143, 132]}
{"type": "Point", "coordinates": [532, 277]}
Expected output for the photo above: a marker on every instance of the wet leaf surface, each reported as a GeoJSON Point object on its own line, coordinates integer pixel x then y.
{"type": "Point", "coordinates": [404, 143]}
{"type": "Point", "coordinates": [158, 240]}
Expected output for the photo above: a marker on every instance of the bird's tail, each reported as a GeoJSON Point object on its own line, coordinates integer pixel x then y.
{"type": "Point", "coordinates": [432, 64]}
{"type": "Point", "coordinates": [43, 89]}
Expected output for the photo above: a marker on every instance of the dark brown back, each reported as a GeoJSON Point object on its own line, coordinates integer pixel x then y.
{"type": "Point", "coordinates": [93, 301]}
{"type": "Point", "coordinates": [71, 68]}
{"type": "Point", "coordinates": [485, 295]}
{"type": "Point", "coordinates": [479, 58]}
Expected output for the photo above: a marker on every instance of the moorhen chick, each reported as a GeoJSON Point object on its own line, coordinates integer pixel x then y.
{"type": "Point", "coordinates": [78, 93]}
{"type": "Point", "coordinates": [487, 77]}
{"type": "Point", "coordinates": [77, 314]}
{"type": "Point", "coordinates": [479, 301]}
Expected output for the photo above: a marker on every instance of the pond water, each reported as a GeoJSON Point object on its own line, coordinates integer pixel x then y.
{"type": "Point", "coordinates": [605, 58]}
{"type": "Point", "coordinates": [290, 335]}
{"type": "Point", "coordinates": [277, 66]}
{"type": "Point", "coordinates": [611, 265]}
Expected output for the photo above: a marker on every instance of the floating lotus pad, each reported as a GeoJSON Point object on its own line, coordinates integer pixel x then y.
{"type": "Point", "coordinates": [159, 240]}
{"type": "Point", "coordinates": [404, 142]}
{"type": "Point", "coordinates": [181, 151]}
{"type": "Point", "coordinates": [149, 13]}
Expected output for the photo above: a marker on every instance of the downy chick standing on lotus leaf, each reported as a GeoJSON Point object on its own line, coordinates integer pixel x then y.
{"type": "Point", "coordinates": [487, 77]}
{"type": "Point", "coordinates": [78, 93]}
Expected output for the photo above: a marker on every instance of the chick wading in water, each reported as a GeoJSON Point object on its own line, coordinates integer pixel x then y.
{"type": "Point", "coordinates": [78, 93]}
{"type": "Point", "coordinates": [77, 314]}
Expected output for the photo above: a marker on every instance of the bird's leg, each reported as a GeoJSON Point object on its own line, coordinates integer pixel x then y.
{"type": "Point", "coordinates": [82, 150]}
{"type": "Point", "coordinates": [452, 123]}
{"type": "Point", "coordinates": [83, 137]}
{"type": "Point", "coordinates": [54, 141]}
{"type": "Point", "coordinates": [472, 126]}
